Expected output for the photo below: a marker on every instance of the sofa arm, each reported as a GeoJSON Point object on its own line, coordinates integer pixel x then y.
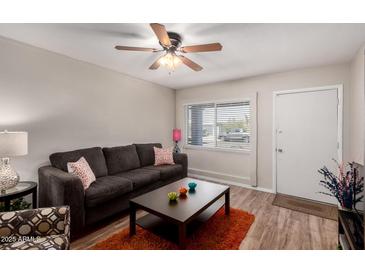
{"type": "Point", "coordinates": [57, 188]}
{"type": "Point", "coordinates": [182, 159]}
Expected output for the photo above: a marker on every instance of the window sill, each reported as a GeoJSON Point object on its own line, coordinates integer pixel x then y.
{"type": "Point", "coordinates": [217, 149]}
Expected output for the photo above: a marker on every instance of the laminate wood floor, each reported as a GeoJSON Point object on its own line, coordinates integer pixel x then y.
{"type": "Point", "coordinates": [274, 227]}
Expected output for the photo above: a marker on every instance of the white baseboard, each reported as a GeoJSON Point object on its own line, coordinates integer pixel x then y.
{"type": "Point", "coordinates": [228, 182]}
{"type": "Point", "coordinates": [220, 175]}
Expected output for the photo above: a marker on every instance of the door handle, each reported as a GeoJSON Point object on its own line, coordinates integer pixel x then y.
{"type": "Point", "coordinates": [280, 150]}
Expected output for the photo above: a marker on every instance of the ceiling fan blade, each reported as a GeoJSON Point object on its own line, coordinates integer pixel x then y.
{"type": "Point", "coordinates": [202, 48]}
{"type": "Point", "coordinates": [135, 48]}
{"type": "Point", "coordinates": [189, 63]}
{"type": "Point", "coordinates": [156, 64]}
{"type": "Point", "coordinates": [161, 34]}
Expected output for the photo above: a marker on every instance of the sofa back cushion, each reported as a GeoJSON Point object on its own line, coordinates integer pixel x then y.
{"type": "Point", "coordinates": [146, 153]}
{"type": "Point", "coordinates": [94, 156]}
{"type": "Point", "coordinates": [119, 159]}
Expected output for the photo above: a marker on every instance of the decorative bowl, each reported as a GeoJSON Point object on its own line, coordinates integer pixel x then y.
{"type": "Point", "coordinates": [172, 196]}
{"type": "Point", "coordinates": [192, 186]}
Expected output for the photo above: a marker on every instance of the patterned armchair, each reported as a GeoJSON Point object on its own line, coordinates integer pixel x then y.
{"type": "Point", "coordinates": [42, 228]}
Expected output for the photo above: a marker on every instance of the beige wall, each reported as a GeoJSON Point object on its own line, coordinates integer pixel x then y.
{"type": "Point", "coordinates": [67, 104]}
{"type": "Point", "coordinates": [357, 113]}
{"type": "Point", "coordinates": [238, 164]}
{"type": "Point", "coordinates": [357, 110]}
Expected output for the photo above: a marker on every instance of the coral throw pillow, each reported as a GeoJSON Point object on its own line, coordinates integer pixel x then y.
{"type": "Point", "coordinates": [82, 170]}
{"type": "Point", "coordinates": [163, 156]}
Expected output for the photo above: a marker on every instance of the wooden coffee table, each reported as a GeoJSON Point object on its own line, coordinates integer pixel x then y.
{"type": "Point", "coordinates": [174, 220]}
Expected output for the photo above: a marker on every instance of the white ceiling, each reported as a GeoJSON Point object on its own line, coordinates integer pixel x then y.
{"type": "Point", "coordinates": [248, 49]}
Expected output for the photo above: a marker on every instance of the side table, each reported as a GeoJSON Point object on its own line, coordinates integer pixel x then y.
{"type": "Point", "coordinates": [20, 190]}
{"type": "Point", "coordinates": [351, 229]}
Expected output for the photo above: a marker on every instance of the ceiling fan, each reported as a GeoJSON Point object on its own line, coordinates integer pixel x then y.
{"type": "Point", "coordinates": [171, 46]}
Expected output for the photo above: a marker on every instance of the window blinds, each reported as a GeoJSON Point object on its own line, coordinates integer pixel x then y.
{"type": "Point", "coordinates": [233, 125]}
{"type": "Point", "coordinates": [221, 125]}
{"type": "Point", "coordinates": [201, 123]}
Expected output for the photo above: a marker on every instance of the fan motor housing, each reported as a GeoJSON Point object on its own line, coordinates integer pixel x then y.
{"type": "Point", "coordinates": [175, 39]}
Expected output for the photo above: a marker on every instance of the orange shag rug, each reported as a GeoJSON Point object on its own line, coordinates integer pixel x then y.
{"type": "Point", "coordinates": [219, 232]}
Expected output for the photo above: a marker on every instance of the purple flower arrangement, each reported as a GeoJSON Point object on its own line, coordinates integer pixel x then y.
{"type": "Point", "coordinates": [345, 187]}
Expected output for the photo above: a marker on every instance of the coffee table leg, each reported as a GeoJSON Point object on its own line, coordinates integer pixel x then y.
{"type": "Point", "coordinates": [182, 236]}
{"type": "Point", "coordinates": [227, 202]}
{"type": "Point", "coordinates": [132, 219]}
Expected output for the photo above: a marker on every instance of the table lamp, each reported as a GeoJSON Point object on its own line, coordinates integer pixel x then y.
{"type": "Point", "coordinates": [11, 144]}
{"type": "Point", "coordinates": [176, 136]}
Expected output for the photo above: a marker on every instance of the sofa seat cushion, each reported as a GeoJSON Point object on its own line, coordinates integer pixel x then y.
{"type": "Point", "coordinates": [105, 189]}
{"type": "Point", "coordinates": [167, 171]}
{"type": "Point", "coordinates": [94, 156]}
{"type": "Point", "coordinates": [141, 177]}
{"type": "Point", "coordinates": [120, 159]}
{"type": "Point", "coordinates": [146, 153]}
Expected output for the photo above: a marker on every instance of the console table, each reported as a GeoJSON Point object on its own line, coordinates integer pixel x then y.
{"type": "Point", "coordinates": [20, 190]}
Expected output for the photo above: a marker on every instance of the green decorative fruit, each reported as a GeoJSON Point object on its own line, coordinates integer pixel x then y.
{"type": "Point", "coordinates": [172, 196]}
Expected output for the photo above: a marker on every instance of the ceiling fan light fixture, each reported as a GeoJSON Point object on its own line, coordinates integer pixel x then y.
{"type": "Point", "coordinates": [170, 61]}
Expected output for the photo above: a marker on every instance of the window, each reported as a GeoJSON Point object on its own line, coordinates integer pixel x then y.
{"type": "Point", "coordinates": [219, 125]}
{"type": "Point", "coordinates": [201, 122]}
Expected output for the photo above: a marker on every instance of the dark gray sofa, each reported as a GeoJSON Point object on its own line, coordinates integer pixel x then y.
{"type": "Point", "coordinates": [121, 173]}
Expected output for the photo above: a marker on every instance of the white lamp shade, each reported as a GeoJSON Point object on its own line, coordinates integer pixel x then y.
{"type": "Point", "coordinates": [13, 143]}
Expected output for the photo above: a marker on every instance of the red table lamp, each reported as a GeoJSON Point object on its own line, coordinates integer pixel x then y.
{"type": "Point", "coordinates": [176, 136]}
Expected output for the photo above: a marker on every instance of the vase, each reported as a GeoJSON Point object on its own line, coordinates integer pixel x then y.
{"type": "Point", "coordinates": [347, 200]}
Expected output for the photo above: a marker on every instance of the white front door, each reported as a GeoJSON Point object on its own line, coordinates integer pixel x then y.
{"type": "Point", "coordinates": [306, 128]}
